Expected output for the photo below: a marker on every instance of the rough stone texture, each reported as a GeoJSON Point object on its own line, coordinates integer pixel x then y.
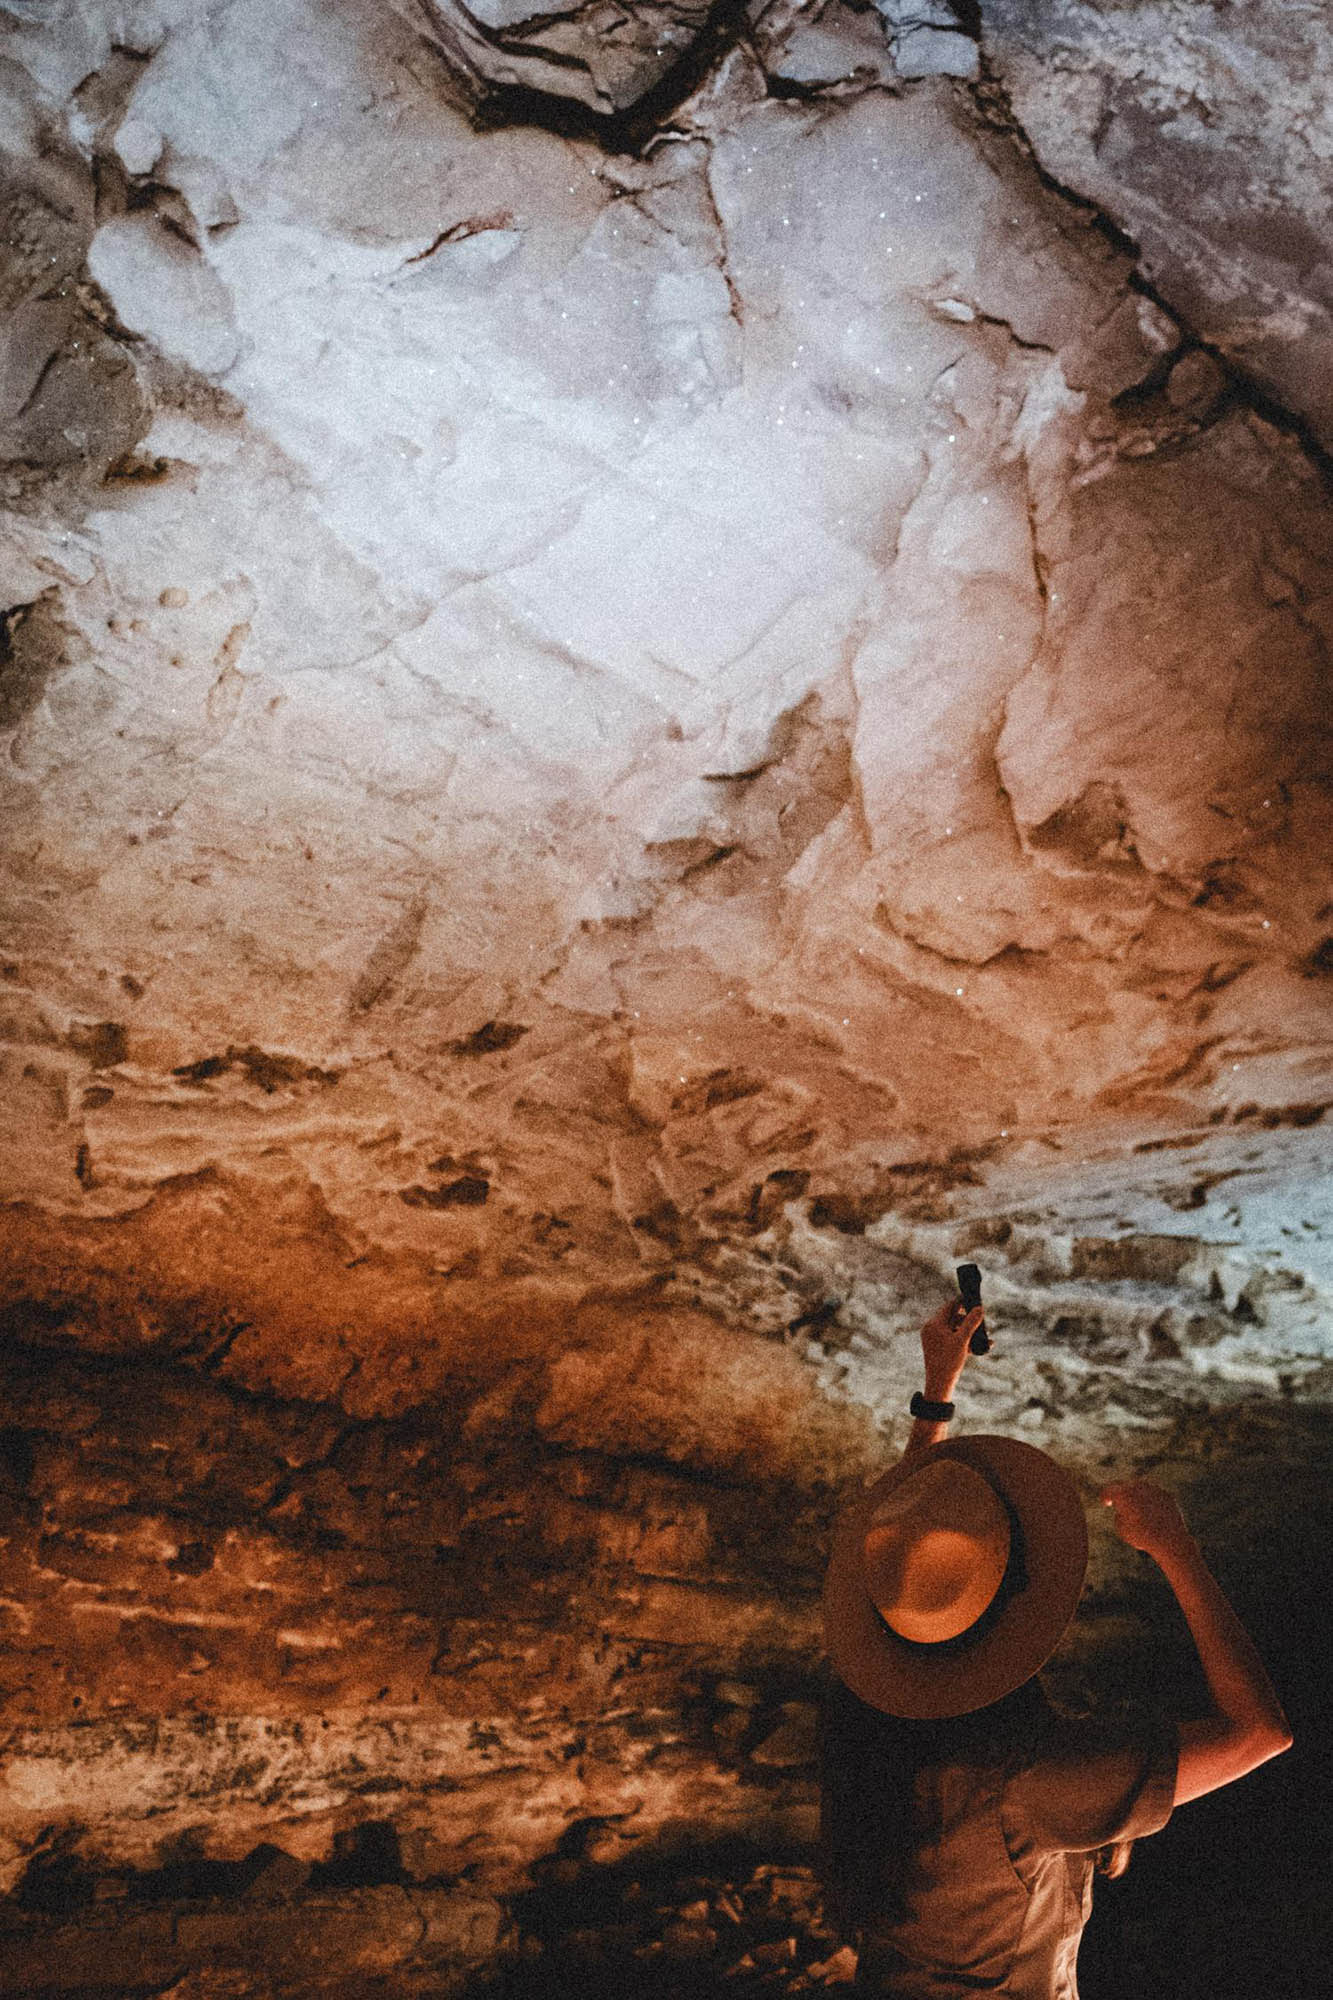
{"type": "Point", "coordinates": [611, 757]}
{"type": "Point", "coordinates": [817, 48]}
{"type": "Point", "coordinates": [1205, 132]}
{"type": "Point", "coordinates": [931, 37]}
{"type": "Point", "coordinates": [604, 56]}
{"type": "Point", "coordinates": [526, 927]}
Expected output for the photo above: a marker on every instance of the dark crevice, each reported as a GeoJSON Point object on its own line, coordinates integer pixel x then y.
{"type": "Point", "coordinates": [1142, 394]}
{"type": "Point", "coordinates": [1007, 328]}
{"type": "Point", "coordinates": [787, 90]}
{"type": "Point", "coordinates": [458, 232]}
{"type": "Point", "coordinates": [1253, 396]}
{"type": "Point", "coordinates": [630, 131]}
{"type": "Point", "coordinates": [260, 1066]}
{"type": "Point", "coordinates": [54, 360]}
{"type": "Point", "coordinates": [364, 1857]}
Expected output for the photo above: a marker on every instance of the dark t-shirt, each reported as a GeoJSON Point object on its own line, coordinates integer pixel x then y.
{"type": "Point", "coordinates": [998, 1896]}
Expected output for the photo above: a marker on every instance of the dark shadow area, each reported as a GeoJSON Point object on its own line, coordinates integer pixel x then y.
{"type": "Point", "coordinates": [725, 1919]}
{"type": "Point", "coordinates": [362, 1857]}
{"type": "Point", "coordinates": [630, 130]}
{"type": "Point", "coordinates": [56, 1882]}
{"type": "Point", "coordinates": [1229, 1902]}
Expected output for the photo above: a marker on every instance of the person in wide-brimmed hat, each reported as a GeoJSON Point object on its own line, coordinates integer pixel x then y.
{"type": "Point", "coordinates": [963, 1817]}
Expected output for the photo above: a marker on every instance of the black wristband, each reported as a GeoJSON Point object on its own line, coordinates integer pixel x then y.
{"type": "Point", "coordinates": [933, 1413]}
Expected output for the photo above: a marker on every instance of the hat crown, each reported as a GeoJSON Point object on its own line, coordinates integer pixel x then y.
{"type": "Point", "coordinates": [935, 1551]}
{"type": "Point", "coordinates": [1024, 1622]}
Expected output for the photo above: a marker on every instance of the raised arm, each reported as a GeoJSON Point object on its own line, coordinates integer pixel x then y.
{"type": "Point", "coordinates": [1247, 1725]}
{"type": "Point", "coordinates": [944, 1345]}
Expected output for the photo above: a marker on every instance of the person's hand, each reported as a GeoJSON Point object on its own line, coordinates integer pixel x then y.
{"type": "Point", "coordinates": [1147, 1517]}
{"type": "Point", "coordinates": [944, 1344]}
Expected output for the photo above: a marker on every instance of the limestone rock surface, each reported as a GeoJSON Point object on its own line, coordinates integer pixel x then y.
{"type": "Point", "coordinates": [1206, 133]}
{"type": "Point", "coordinates": [589, 698]}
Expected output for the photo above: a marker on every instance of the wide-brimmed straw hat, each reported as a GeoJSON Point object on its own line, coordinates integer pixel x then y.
{"type": "Point", "coordinates": [953, 1577]}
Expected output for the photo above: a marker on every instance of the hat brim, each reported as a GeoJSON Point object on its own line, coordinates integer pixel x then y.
{"type": "Point", "coordinates": [923, 1682]}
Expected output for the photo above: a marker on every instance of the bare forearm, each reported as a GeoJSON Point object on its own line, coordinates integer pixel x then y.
{"type": "Point", "coordinates": [944, 1349]}
{"type": "Point", "coordinates": [1237, 1680]}
{"type": "Point", "coordinates": [940, 1387]}
{"type": "Point", "coordinates": [1246, 1726]}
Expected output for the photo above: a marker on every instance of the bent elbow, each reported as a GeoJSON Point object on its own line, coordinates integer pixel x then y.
{"type": "Point", "coordinates": [1216, 1752]}
{"type": "Point", "coordinates": [1270, 1740]}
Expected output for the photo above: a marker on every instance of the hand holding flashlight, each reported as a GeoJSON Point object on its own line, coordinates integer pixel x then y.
{"type": "Point", "coordinates": [945, 1339]}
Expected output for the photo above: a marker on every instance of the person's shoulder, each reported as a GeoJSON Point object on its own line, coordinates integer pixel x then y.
{"type": "Point", "coordinates": [1064, 1735]}
{"type": "Point", "coordinates": [1095, 1779]}
{"type": "Point", "coordinates": [1062, 1746]}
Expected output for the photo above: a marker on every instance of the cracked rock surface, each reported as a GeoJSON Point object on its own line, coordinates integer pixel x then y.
{"type": "Point", "coordinates": [1206, 133]}
{"type": "Point", "coordinates": [623, 732]}
{"type": "Point", "coordinates": [604, 57]}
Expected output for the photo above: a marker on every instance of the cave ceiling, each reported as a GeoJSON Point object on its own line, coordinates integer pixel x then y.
{"type": "Point", "coordinates": [659, 668]}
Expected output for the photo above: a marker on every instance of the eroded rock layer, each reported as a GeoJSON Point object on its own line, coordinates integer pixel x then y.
{"type": "Point", "coordinates": [648, 690]}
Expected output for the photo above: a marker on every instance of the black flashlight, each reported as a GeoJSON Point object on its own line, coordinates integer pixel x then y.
{"type": "Point", "coordinates": [969, 1287]}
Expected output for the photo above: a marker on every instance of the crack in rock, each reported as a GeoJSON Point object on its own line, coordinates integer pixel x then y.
{"type": "Point", "coordinates": [390, 958]}
{"type": "Point", "coordinates": [571, 52]}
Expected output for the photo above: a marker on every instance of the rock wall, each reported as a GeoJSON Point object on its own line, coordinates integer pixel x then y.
{"type": "Point", "coordinates": [1204, 133]}
{"type": "Point", "coordinates": [658, 673]}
